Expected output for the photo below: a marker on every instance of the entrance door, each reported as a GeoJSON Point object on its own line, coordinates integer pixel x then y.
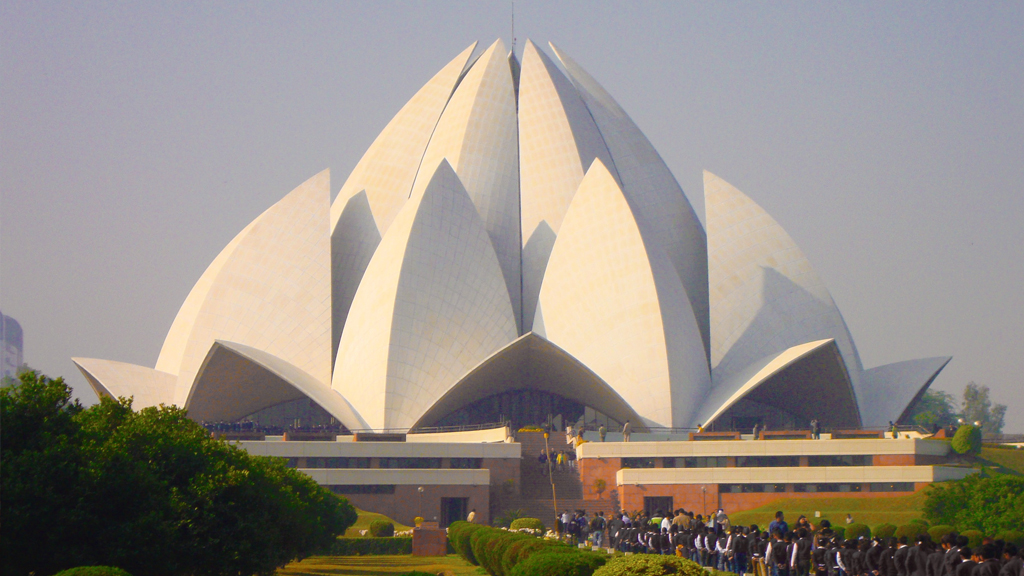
{"type": "Point", "coordinates": [453, 509]}
{"type": "Point", "coordinates": [655, 504]}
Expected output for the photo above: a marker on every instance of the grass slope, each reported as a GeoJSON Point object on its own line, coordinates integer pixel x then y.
{"type": "Point", "coordinates": [895, 510]}
{"type": "Point", "coordinates": [363, 523]}
{"type": "Point", "coordinates": [379, 565]}
{"type": "Point", "coordinates": [1003, 460]}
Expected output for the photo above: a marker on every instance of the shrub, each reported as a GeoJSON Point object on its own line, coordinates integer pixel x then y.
{"type": "Point", "coordinates": [520, 550]}
{"type": "Point", "coordinates": [857, 530]}
{"type": "Point", "coordinates": [460, 537]}
{"type": "Point", "coordinates": [1015, 537]}
{"type": "Point", "coordinates": [532, 523]}
{"type": "Point", "coordinates": [973, 537]}
{"type": "Point", "coordinates": [548, 564]}
{"type": "Point", "coordinates": [478, 539]}
{"type": "Point", "coordinates": [368, 546]}
{"type": "Point", "coordinates": [840, 532]}
{"type": "Point", "coordinates": [938, 531]}
{"type": "Point", "coordinates": [93, 571]}
{"type": "Point", "coordinates": [649, 565]}
{"type": "Point", "coordinates": [508, 517]}
{"type": "Point", "coordinates": [495, 548]}
{"type": "Point", "coordinates": [967, 439]}
{"type": "Point", "coordinates": [920, 521]}
{"type": "Point", "coordinates": [884, 530]}
{"type": "Point", "coordinates": [909, 530]}
{"type": "Point", "coordinates": [418, 573]}
{"type": "Point", "coordinates": [381, 529]}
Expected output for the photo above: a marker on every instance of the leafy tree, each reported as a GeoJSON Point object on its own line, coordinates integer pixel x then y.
{"type": "Point", "coordinates": [935, 408]}
{"type": "Point", "coordinates": [977, 407]}
{"type": "Point", "coordinates": [149, 491]}
{"type": "Point", "coordinates": [990, 504]}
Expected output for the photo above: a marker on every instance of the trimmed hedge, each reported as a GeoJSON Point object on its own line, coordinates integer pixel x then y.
{"type": "Point", "coordinates": [523, 549]}
{"type": "Point", "coordinates": [938, 531]}
{"type": "Point", "coordinates": [382, 529]}
{"type": "Point", "coordinates": [531, 523]}
{"type": "Point", "coordinates": [857, 530]}
{"type": "Point", "coordinates": [840, 532]}
{"type": "Point", "coordinates": [494, 551]}
{"type": "Point", "coordinates": [973, 537]}
{"type": "Point", "coordinates": [649, 565]}
{"type": "Point", "coordinates": [369, 546]}
{"type": "Point", "coordinates": [911, 531]}
{"type": "Point", "coordinates": [459, 537]}
{"type": "Point", "coordinates": [967, 440]}
{"type": "Point", "coordinates": [884, 530]}
{"type": "Point", "coordinates": [93, 571]}
{"type": "Point", "coordinates": [920, 521]}
{"type": "Point", "coordinates": [1016, 537]}
{"type": "Point", "coordinates": [550, 564]}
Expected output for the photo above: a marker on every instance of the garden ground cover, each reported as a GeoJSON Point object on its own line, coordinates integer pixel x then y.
{"type": "Point", "coordinates": [379, 566]}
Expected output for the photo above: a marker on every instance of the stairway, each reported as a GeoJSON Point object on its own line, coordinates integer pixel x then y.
{"type": "Point", "coordinates": [534, 499]}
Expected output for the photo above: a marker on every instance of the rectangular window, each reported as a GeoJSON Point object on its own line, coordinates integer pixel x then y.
{"type": "Point", "coordinates": [291, 462]}
{"type": "Point", "coordinates": [466, 463]}
{"type": "Point", "coordinates": [845, 460]}
{"type": "Point", "coordinates": [362, 488]}
{"type": "Point", "coordinates": [410, 462]}
{"type": "Point", "coordinates": [892, 487]}
{"type": "Point", "coordinates": [701, 462]}
{"type": "Point", "coordinates": [337, 462]}
{"type": "Point", "coordinates": [638, 462]}
{"type": "Point", "coordinates": [767, 461]}
{"type": "Point", "coordinates": [774, 487]}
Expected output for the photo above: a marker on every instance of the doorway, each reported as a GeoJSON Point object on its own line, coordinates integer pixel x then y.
{"type": "Point", "coordinates": [453, 510]}
{"type": "Point", "coordinates": [654, 504]}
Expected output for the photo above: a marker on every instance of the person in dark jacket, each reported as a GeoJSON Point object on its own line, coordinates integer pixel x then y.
{"type": "Point", "coordinates": [952, 556]}
{"type": "Point", "coordinates": [917, 557]}
{"type": "Point", "coordinates": [936, 562]}
{"type": "Point", "coordinates": [873, 555]}
{"type": "Point", "coordinates": [900, 557]}
{"type": "Point", "coordinates": [886, 563]}
{"type": "Point", "coordinates": [989, 565]}
{"type": "Point", "coordinates": [967, 563]}
{"type": "Point", "coordinates": [1013, 564]}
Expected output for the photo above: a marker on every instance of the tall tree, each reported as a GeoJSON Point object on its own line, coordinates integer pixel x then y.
{"type": "Point", "coordinates": [935, 408]}
{"type": "Point", "coordinates": [147, 491]}
{"type": "Point", "coordinates": [977, 407]}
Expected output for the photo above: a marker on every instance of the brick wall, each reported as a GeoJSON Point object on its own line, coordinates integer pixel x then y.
{"type": "Point", "coordinates": [593, 468]}
{"type": "Point", "coordinates": [407, 503]}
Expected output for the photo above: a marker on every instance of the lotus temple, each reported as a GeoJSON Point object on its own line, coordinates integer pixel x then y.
{"type": "Point", "coordinates": [512, 249]}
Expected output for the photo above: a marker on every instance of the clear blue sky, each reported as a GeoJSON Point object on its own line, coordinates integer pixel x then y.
{"type": "Point", "coordinates": [136, 139]}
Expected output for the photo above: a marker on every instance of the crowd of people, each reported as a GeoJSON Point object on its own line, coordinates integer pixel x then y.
{"type": "Point", "coordinates": [248, 426]}
{"type": "Point", "coordinates": [803, 550]}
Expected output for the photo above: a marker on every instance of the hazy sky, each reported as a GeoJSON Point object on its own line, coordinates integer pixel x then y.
{"type": "Point", "coordinates": [137, 138]}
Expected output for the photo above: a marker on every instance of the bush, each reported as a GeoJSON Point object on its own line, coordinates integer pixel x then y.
{"type": "Point", "coordinates": [494, 550]}
{"type": "Point", "coordinates": [911, 531]}
{"type": "Point", "coordinates": [973, 537]}
{"type": "Point", "coordinates": [93, 571]}
{"type": "Point", "coordinates": [649, 565]}
{"type": "Point", "coordinates": [532, 523]}
{"type": "Point", "coordinates": [967, 439]}
{"type": "Point", "coordinates": [520, 550]}
{"type": "Point", "coordinates": [938, 531]}
{"type": "Point", "coordinates": [460, 537]}
{"type": "Point", "coordinates": [382, 529]}
{"type": "Point", "coordinates": [884, 530]}
{"type": "Point", "coordinates": [992, 504]}
{"type": "Point", "coordinates": [368, 546]}
{"type": "Point", "coordinates": [840, 531]}
{"type": "Point", "coordinates": [549, 564]}
{"type": "Point", "coordinates": [857, 530]}
{"type": "Point", "coordinates": [920, 521]}
{"type": "Point", "coordinates": [478, 539]}
{"type": "Point", "coordinates": [1015, 537]}
{"type": "Point", "coordinates": [418, 573]}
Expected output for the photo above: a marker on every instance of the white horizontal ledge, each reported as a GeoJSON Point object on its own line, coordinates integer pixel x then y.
{"type": "Point", "coordinates": [801, 474]}
{"type": "Point", "coordinates": [399, 476]}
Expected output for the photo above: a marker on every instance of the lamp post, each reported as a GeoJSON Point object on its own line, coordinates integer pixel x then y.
{"type": "Point", "coordinates": [551, 474]}
{"type": "Point", "coordinates": [704, 500]}
{"type": "Point", "coordinates": [420, 507]}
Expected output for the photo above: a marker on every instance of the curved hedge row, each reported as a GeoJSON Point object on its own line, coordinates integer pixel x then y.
{"type": "Point", "coordinates": [532, 523]}
{"type": "Point", "coordinates": [501, 552]}
{"type": "Point", "coordinates": [93, 571]}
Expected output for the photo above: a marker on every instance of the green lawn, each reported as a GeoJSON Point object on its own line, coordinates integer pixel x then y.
{"type": "Point", "coordinates": [363, 523]}
{"type": "Point", "coordinates": [1003, 460]}
{"type": "Point", "coordinates": [380, 565]}
{"type": "Point", "coordinates": [895, 510]}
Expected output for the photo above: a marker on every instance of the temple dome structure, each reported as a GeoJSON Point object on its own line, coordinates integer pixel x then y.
{"type": "Point", "coordinates": [511, 245]}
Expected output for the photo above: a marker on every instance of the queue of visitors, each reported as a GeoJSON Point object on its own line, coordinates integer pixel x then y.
{"type": "Point", "coordinates": [779, 551]}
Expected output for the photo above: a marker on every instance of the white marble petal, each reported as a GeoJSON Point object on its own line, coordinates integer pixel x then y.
{"type": "Point", "coordinates": [271, 289]}
{"type": "Point", "coordinates": [146, 386]}
{"type": "Point", "coordinates": [887, 391]}
{"type": "Point", "coordinates": [558, 141]}
{"type": "Point", "coordinates": [432, 305]}
{"type": "Point", "coordinates": [478, 135]}
{"type": "Point", "coordinates": [651, 188]}
{"type": "Point", "coordinates": [765, 295]}
{"type": "Point", "coordinates": [613, 301]}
